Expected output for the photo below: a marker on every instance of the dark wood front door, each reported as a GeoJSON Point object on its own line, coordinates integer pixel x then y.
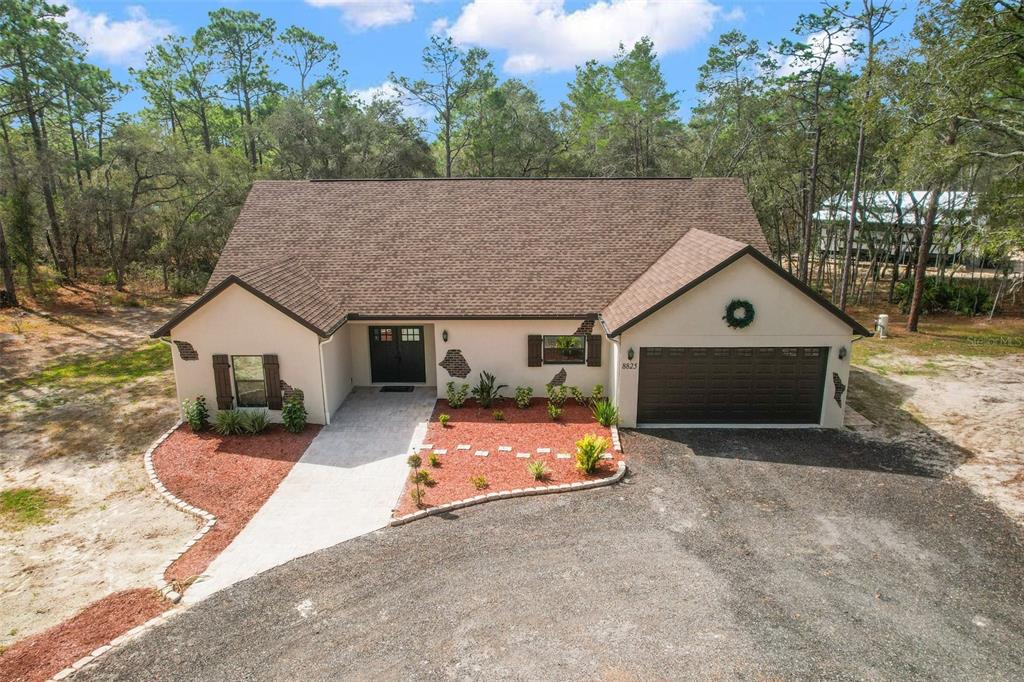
{"type": "Point", "coordinates": [731, 385]}
{"type": "Point", "coordinates": [396, 354]}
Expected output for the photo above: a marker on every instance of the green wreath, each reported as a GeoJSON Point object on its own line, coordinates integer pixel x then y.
{"type": "Point", "coordinates": [739, 321]}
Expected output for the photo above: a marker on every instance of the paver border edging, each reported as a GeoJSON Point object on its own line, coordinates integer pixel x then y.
{"type": "Point", "coordinates": [165, 588]}
{"type": "Point", "coordinates": [509, 494]}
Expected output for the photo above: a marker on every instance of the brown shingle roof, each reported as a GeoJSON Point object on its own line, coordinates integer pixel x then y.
{"type": "Point", "coordinates": [562, 247]}
{"type": "Point", "coordinates": [694, 254]}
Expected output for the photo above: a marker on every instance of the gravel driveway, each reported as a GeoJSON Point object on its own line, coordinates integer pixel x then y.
{"type": "Point", "coordinates": [756, 554]}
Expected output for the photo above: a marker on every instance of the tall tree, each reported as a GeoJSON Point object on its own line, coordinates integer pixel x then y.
{"type": "Point", "coordinates": [304, 51]}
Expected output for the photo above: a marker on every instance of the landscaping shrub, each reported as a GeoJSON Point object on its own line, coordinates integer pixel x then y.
{"type": "Point", "coordinates": [523, 396]}
{"type": "Point", "coordinates": [538, 469]}
{"type": "Point", "coordinates": [479, 482]}
{"type": "Point", "coordinates": [434, 460]}
{"type": "Point", "coordinates": [498, 415]}
{"type": "Point", "coordinates": [423, 477]}
{"type": "Point", "coordinates": [945, 296]}
{"type": "Point", "coordinates": [588, 452]}
{"type": "Point", "coordinates": [293, 414]}
{"type": "Point", "coordinates": [487, 390]}
{"type": "Point", "coordinates": [457, 394]}
{"type": "Point", "coordinates": [557, 395]}
{"type": "Point", "coordinates": [229, 423]}
{"type": "Point", "coordinates": [414, 461]}
{"type": "Point", "coordinates": [605, 413]}
{"type": "Point", "coordinates": [554, 411]}
{"type": "Point", "coordinates": [577, 395]}
{"type": "Point", "coordinates": [255, 422]}
{"type": "Point", "coordinates": [417, 495]}
{"type": "Point", "coordinates": [597, 393]}
{"type": "Point", "coordinates": [443, 419]}
{"type": "Point", "coordinates": [196, 414]}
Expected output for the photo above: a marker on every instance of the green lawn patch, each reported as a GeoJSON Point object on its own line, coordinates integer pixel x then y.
{"type": "Point", "coordinates": [28, 506]}
{"type": "Point", "coordinates": [122, 367]}
{"type": "Point", "coordinates": [966, 337]}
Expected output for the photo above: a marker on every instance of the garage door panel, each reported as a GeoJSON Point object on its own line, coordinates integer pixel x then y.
{"type": "Point", "coordinates": [781, 385]}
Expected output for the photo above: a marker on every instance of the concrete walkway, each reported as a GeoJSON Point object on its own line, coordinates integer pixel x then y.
{"type": "Point", "coordinates": [345, 485]}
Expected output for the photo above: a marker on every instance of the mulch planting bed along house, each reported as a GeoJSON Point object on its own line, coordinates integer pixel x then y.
{"type": "Point", "coordinates": [43, 655]}
{"type": "Point", "coordinates": [229, 476]}
{"type": "Point", "coordinates": [524, 430]}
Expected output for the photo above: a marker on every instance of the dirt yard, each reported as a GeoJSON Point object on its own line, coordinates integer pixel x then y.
{"type": "Point", "coordinates": [955, 393]}
{"type": "Point", "coordinates": [83, 391]}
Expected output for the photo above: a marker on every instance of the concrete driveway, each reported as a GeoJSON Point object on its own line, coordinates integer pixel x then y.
{"type": "Point", "coordinates": [751, 555]}
{"type": "Point", "coordinates": [346, 484]}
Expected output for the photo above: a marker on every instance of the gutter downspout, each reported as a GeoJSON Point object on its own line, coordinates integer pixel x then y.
{"type": "Point", "coordinates": [614, 375]}
{"type": "Point", "coordinates": [323, 376]}
{"type": "Point", "coordinates": [177, 391]}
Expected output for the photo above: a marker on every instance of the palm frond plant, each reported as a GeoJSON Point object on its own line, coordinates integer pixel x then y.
{"type": "Point", "coordinates": [487, 390]}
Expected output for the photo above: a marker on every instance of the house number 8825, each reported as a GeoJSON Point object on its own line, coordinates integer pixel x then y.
{"type": "Point", "coordinates": [629, 365]}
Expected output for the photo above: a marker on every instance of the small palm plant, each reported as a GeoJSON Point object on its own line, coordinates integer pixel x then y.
{"type": "Point", "coordinates": [487, 390]}
{"type": "Point", "coordinates": [605, 413]}
{"type": "Point", "coordinates": [538, 469]}
{"type": "Point", "coordinates": [588, 452]}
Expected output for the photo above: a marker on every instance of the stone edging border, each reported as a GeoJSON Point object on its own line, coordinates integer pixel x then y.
{"type": "Point", "coordinates": [509, 494]}
{"type": "Point", "coordinates": [616, 443]}
{"type": "Point", "coordinates": [166, 589]}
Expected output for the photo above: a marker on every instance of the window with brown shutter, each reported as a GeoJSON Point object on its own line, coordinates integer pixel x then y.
{"type": "Point", "coordinates": [272, 371]}
{"type": "Point", "coordinates": [535, 350]}
{"type": "Point", "coordinates": [594, 350]}
{"type": "Point", "coordinates": [222, 381]}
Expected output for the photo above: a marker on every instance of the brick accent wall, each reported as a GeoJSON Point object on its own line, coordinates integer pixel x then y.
{"type": "Point", "coordinates": [455, 364]}
{"type": "Point", "coordinates": [586, 327]}
{"type": "Point", "coordinates": [186, 351]}
{"type": "Point", "coordinates": [559, 378]}
{"type": "Point", "coordinates": [288, 391]}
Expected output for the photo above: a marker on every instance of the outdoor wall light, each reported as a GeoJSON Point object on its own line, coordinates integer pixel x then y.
{"type": "Point", "coordinates": [444, 336]}
{"type": "Point", "coordinates": [842, 352]}
{"type": "Point", "coordinates": [629, 354]}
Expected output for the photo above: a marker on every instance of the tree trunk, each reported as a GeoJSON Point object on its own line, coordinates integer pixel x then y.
{"type": "Point", "coordinates": [10, 297]}
{"type": "Point", "coordinates": [923, 250]}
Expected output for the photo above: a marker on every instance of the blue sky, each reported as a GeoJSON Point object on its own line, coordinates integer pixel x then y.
{"type": "Point", "coordinates": [535, 40]}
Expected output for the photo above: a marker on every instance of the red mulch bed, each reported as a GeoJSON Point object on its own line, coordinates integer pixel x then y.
{"type": "Point", "coordinates": [43, 655]}
{"type": "Point", "coordinates": [229, 476]}
{"type": "Point", "coordinates": [524, 430]}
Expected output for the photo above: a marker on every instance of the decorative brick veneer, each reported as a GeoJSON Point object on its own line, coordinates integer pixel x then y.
{"type": "Point", "coordinates": [186, 351]}
{"type": "Point", "coordinates": [455, 363]}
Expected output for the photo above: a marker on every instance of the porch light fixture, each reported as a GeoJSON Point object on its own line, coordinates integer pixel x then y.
{"type": "Point", "coordinates": [444, 336]}
{"type": "Point", "coordinates": [842, 352]}
{"type": "Point", "coordinates": [629, 354]}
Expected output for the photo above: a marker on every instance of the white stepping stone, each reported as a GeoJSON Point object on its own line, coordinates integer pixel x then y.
{"type": "Point", "coordinates": [606, 455]}
{"type": "Point", "coordinates": [462, 446]}
{"type": "Point", "coordinates": [523, 455]}
{"type": "Point", "coordinates": [441, 451]}
{"type": "Point", "coordinates": [504, 448]}
{"type": "Point", "coordinates": [481, 453]}
{"type": "Point", "coordinates": [425, 446]}
{"type": "Point", "coordinates": [562, 455]}
{"type": "Point", "coordinates": [543, 451]}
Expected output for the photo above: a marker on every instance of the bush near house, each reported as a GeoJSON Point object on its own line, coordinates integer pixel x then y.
{"type": "Point", "coordinates": [196, 413]}
{"type": "Point", "coordinates": [588, 452]}
{"type": "Point", "coordinates": [945, 296]}
{"type": "Point", "coordinates": [457, 394]}
{"type": "Point", "coordinates": [293, 414]}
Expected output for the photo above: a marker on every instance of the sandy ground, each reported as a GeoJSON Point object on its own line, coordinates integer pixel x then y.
{"type": "Point", "coordinates": [962, 415]}
{"type": "Point", "coordinates": [114, 531]}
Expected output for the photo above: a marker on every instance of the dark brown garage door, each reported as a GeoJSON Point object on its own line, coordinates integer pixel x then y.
{"type": "Point", "coordinates": [731, 385]}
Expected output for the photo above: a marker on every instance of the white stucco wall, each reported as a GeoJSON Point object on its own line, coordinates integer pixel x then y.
{"type": "Point", "coordinates": [500, 347]}
{"type": "Point", "coordinates": [359, 336]}
{"type": "Point", "coordinates": [784, 317]}
{"type": "Point", "coordinates": [237, 323]}
{"type": "Point", "coordinates": [337, 363]}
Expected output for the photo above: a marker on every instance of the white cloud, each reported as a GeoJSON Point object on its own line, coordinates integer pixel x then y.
{"type": "Point", "coordinates": [388, 90]}
{"type": "Point", "coordinates": [736, 14]}
{"type": "Point", "coordinates": [541, 35]}
{"type": "Point", "coordinates": [123, 41]}
{"type": "Point", "coordinates": [841, 55]}
{"type": "Point", "coordinates": [363, 14]}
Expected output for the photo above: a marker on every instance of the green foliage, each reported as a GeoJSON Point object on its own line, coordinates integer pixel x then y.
{"type": "Point", "coordinates": [414, 461]}
{"type": "Point", "coordinates": [577, 395]}
{"type": "Point", "coordinates": [498, 415]}
{"type": "Point", "coordinates": [457, 394]}
{"type": "Point", "coordinates": [255, 421]}
{"type": "Point", "coordinates": [557, 395]}
{"type": "Point", "coordinates": [114, 369]}
{"type": "Point", "coordinates": [423, 477]}
{"type": "Point", "coordinates": [487, 390]}
{"type": "Point", "coordinates": [597, 393]}
{"type": "Point", "coordinates": [479, 482]}
{"type": "Point", "coordinates": [523, 396]}
{"type": "Point", "coordinates": [434, 460]}
{"type": "Point", "coordinates": [28, 506]}
{"type": "Point", "coordinates": [229, 423]}
{"type": "Point", "coordinates": [605, 413]}
{"type": "Point", "coordinates": [417, 495]}
{"type": "Point", "coordinates": [443, 419]}
{"type": "Point", "coordinates": [293, 414]}
{"type": "Point", "coordinates": [945, 296]}
{"type": "Point", "coordinates": [196, 413]}
{"type": "Point", "coordinates": [554, 411]}
{"type": "Point", "coordinates": [588, 452]}
{"type": "Point", "coordinates": [538, 469]}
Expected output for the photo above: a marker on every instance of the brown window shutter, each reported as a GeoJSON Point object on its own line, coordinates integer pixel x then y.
{"type": "Point", "coordinates": [594, 350]}
{"type": "Point", "coordinates": [535, 350]}
{"type": "Point", "coordinates": [272, 374]}
{"type": "Point", "coordinates": [222, 380]}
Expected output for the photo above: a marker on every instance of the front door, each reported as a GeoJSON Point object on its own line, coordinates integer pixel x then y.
{"type": "Point", "coordinates": [396, 354]}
